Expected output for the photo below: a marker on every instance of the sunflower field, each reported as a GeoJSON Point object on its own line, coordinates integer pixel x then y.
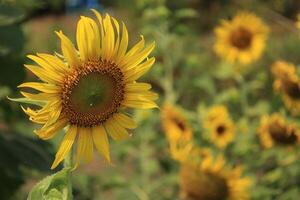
{"type": "Point", "coordinates": [150, 100]}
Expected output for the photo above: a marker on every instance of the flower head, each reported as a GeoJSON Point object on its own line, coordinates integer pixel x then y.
{"type": "Point", "coordinates": [221, 130]}
{"type": "Point", "coordinates": [275, 130]}
{"type": "Point", "coordinates": [241, 39]}
{"type": "Point", "coordinates": [287, 83]}
{"type": "Point", "coordinates": [212, 180]}
{"type": "Point", "coordinates": [89, 90]}
{"type": "Point", "coordinates": [175, 125]}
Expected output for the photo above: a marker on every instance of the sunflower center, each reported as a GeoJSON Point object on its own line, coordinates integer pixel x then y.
{"type": "Point", "coordinates": [291, 88]}
{"type": "Point", "coordinates": [281, 135]}
{"type": "Point", "coordinates": [180, 124]}
{"type": "Point", "coordinates": [92, 93]}
{"type": "Point", "coordinates": [241, 38]}
{"type": "Point", "coordinates": [199, 185]}
{"type": "Point", "coordinates": [221, 129]}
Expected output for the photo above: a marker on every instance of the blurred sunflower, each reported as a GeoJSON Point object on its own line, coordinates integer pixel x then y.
{"type": "Point", "coordinates": [287, 83]}
{"type": "Point", "coordinates": [220, 127]}
{"type": "Point", "coordinates": [175, 125]}
{"type": "Point", "coordinates": [275, 130]}
{"type": "Point", "coordinates": [298, 21]}
{"type": "Point", "coordinates": [241, 39]}
{"type": "Point", "coordinates": [212, 180]}
{"type": "Point", "coordinates": [88, 91]}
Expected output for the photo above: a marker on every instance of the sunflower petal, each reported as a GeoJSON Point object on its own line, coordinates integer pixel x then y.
{"type": "Point", "coordinates": [68, 50]}
{"type": "Point", "coordinates": [56, 63]}
{"type": "Point", "coordinates": [43, 87]}
{"type": "Point", "coordinates": [52, 130]}
{"type": "Point", "coordinates": [137, 58]}
{"type": "Point", "coordinates": [44, 75]}
{"type": "Point", "coordinates": [125, 121]}
{"type": "Point", "coordinates": [115, 130]}
{"type": "Point", "coordinates": [139, 70]}
{"type": "Point", "coordinates": [65, 146]}
{"type": "Point", "coordinates": [85, 146]}
{"type": "Point", "coordinates": [123, 44]}
{"type": "Point", "coordinates": [101, 141]}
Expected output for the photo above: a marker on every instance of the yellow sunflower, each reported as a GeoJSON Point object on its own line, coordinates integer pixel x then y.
{"type": "Point", "coordinates": [287, 83]}
{"type": "Point", "coordinates": [220, 127]}
{"type": "Point", "coordinates": [275, 130]}
{"type": "Point", "coordinates": [212, 180]}
{"type": "Point", "coordinates": [298, 21]}
{"type": "Point", "coordinates": [241, 39]}
{"type": "Point", "coordinates": [89, 90]}
{"type": "Point", "coordinates": [175, 125]}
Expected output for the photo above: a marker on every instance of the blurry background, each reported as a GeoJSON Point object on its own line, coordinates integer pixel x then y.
{"type": "Point", "coordinates": [187, 71]}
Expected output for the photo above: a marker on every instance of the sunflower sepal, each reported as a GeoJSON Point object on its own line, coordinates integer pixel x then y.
{"type": "Point", "coordinates": [55, 186]}
{"type": "Point", "coordinates": [28, 101]}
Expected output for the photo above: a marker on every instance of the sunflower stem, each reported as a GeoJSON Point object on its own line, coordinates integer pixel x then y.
{"type": "Point", "coordinates": [244, 94]}
{"type": "Point", "coordinates": [68, 164]}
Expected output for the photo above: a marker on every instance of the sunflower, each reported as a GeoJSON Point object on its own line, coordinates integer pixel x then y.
{"type": "Point", "coordinates": [212, 180]}
{"type": "Point", "coordinates": [220, 127]}
{"type": "Point", "coordinates": [88, 91]}
{"type": "Point", "coordinates": [275, 130]}
{"type": "Point", "coordinates": [298, 21]}
{"type": "Point", "coordinates": [287, 83]}
{"type": "Point", "coordinates": [175, 125]}
{"type": "Point", "coordinates": [241, 39]}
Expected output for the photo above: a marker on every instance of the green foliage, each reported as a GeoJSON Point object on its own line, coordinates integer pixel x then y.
{"type": "Point", "coordinates": [18, 152]}
{"type": "Point", "coordinates": [54, 187]}
{"type": "Point", "coordinates": [187, 73]}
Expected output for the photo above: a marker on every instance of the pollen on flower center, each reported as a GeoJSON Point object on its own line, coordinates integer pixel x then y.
{"type": "Point", "coordinates": [281, 134]}
{"type": "Point", "coordinates": [241, 38]}
{"type": "Point", "coordinates": [92, 93]}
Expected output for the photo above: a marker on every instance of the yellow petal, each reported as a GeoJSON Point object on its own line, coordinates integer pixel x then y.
{"type": "Point", "coordinates": [138, 71]}
{"type": "Point", "coordinates": [101, 141]}
{"type": "Point", "coordinates": [65, 146]}
{"type": "Point", "coordinates": [43, 87]}
{"type": "Point", "coordinates": [116, 131]}
{"type": "Point", "coordinates": [82, 39]}
{"type": "Point", "coordinates": [117, 43]}
{"type": "Point", "coordinates": [44, 75]}
{"type": "Point", "coordinates": [137, 87]}
{"type": "Point", "coordinates": [142, 95]}
{"type": "Point", "coordinates": [125, 121]}
{"type": "Point", "coordinates": [55, 62]}
{"type": "Point", "coordinates": [141, 104]}
{"type": "Point", "coordinates": [41, 96]}
{"type": "Point", "coordinates": [101, 29]}
{"type": "Point", "coordinates": [109, 38]}
{"type": "Point", "coordinates": [85, 146]}
{"type": "Point", "coordinates": [136, 48]}
{"type": "Point", "coordinates": [123, 44]}
{"type": "Point", "coordinates": [51, 131]}
{"type": "Point", "coordinates": [68, 50]}
{"type": "Point", "coordinates": [137, 58]}
{"type": "Point", "coordinates": [55, 114]}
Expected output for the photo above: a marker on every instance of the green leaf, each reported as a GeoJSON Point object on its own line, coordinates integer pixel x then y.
{"type": "Point", "coordinates": [54, 187]}
{"type": "Point", "coordinates": [10, 14]}
{"type": "Point", "coordinates": [186, 13]}
{"type": "Point", "coordinates": [18, 152]}
{"type": "Point", "coordinates": [28, 101]}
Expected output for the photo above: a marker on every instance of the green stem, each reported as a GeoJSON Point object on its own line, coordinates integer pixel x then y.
{"type": "Point", "coordinates": [68, 164]}
{"type": "Point", "coordinates": [244, 94]}
{"type": "Point", "coordinates": [168, 80]}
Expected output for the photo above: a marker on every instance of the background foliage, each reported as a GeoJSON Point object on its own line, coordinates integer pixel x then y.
{"type": "Point", "coordinates": [186, 72]}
